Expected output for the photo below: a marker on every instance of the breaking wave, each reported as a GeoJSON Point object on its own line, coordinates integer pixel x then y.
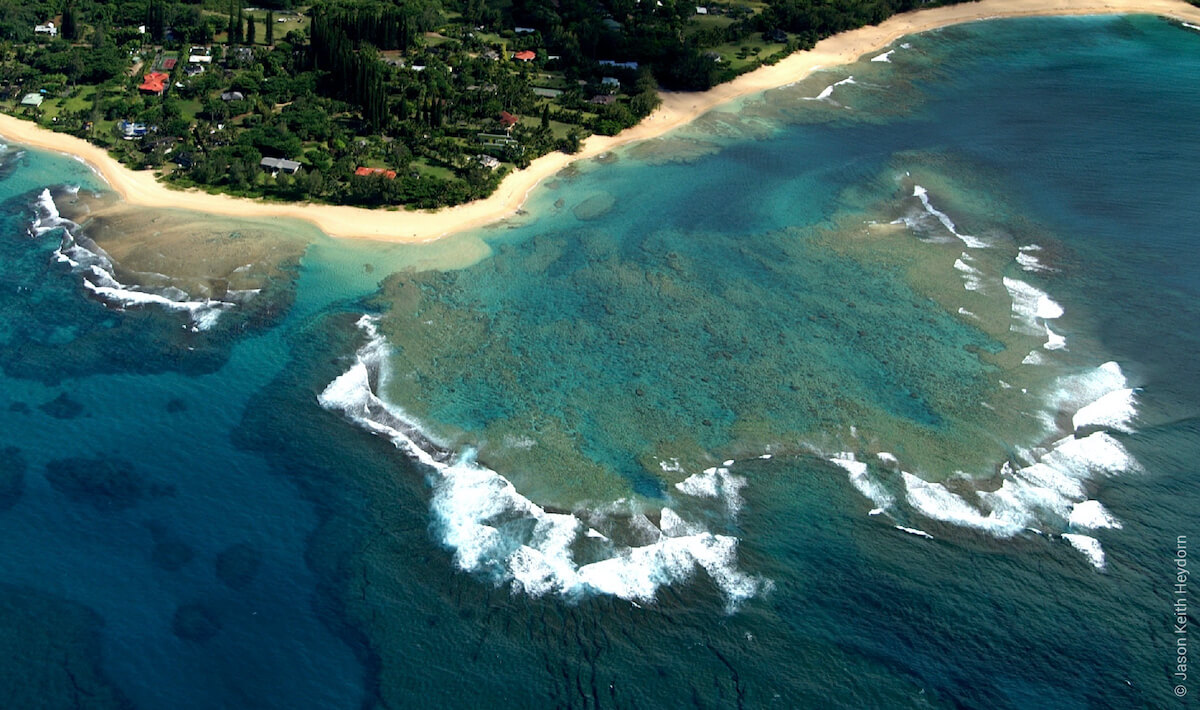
{"type": "Point", "coordinates": [827, 93]}
{"type": "Point", "coordinates": [497, 532]}
{"type": "Point", "coordinates": [96, 268]}
{"type": "Point", "coordinates": [1043, 489]}
{"type": "Point", "coordinates": [971, 242]}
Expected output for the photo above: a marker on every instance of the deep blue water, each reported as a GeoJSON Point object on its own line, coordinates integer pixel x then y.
{"type": "Point", "coordinates": [185, 525]}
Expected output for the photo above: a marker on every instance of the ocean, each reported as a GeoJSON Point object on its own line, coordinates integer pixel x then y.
{"type": "Point", "coordinates": [872, 391]}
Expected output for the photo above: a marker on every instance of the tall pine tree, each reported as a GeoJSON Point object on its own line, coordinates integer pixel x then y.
{"type": "Point", "coordinates": [250, 30]}
{"type": "Point", "coordinates": [270, 38]}
{"type": "Point", "coordinates": [231, 32]}
{"type": "Point", "coordinates": [70, 27]}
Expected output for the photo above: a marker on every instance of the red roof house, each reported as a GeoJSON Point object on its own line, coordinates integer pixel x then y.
{"type": "Point", "coordinates": [365, 172]}
{"type": "Point", "coordinates": [525, 56]}
{"type": "Point", "coordinates": [508, 120]}
{"type": "Point", "coordinates": [155, 83]}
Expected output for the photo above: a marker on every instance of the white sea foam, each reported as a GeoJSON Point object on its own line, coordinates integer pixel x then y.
{"type": "Point", "coordinates": [670, 466]}
{"type": "Point", "coordinates": [1092, 515]}
{"type": "Point", "coordinates": [1054, 341]}
{"type": "Point", "coordinates": [935, 501]}
{"type": "Point", "coordinates": [97, 271]}
{"type": "Point", "coordinates": [1115, 410]}
{"type": "Point", "coordinates": [1030, 303]}
{"type": "Point", "coordinates": [827, 92]}
{"type": "Point", "coordinates": [1031, 307]}
{"type": "Point", "coordinates": [861, 479]}
{"type": "Point", "coordinates": [495, 530]}
{"type": "Point", "coordinates": [972, 277]}
{"type": "Point", "coordinates": [885, 57]}
{"type": "Point", "coordinates": [971, 242]}
{"type": "Point", "coordinates": [717, 483]}
{"type": "Point", "coordinates": [914, 531]}
{"type": "Point", "coordinates": [1190, 26]}
{"type": "Point", "coordinates": [1089, 546]}
{"type": "Point", "coordinates": [1050, 488]}
{"type": "Point", "coordinates": [1028, 261]}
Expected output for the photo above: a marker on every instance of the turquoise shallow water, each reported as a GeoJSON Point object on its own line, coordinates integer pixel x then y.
{"type": "Point", "coordinates": [186, 525]}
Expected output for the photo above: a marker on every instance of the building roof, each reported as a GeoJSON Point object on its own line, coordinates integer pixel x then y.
{"type": "Point", "coordinates": [364, 171]}
{"type": "Point", "coordinates": [155, 81]}
{"type": "Point", "coordinates": [290, 166]}
{"type": "Point", "coordinates": [508, 119]}
{"type": "Point", "coordinates": [525, 55]}
{"type": "Point", "coordinates": [232, 96]}
{"type": "Point", "coordinates": [32, 100]}
{"type": "Point", "coordinates": [603, 99]}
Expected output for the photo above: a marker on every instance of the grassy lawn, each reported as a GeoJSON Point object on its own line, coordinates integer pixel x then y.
{"type": "Point", "coordinates": [732, 55]}
{"type": "Point", "coordinates": [422, 166]}
{"type": "Point", "coordinates": [188, 109]}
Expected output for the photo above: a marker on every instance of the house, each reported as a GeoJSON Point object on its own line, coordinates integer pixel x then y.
{"type": "Point", "coordinates": [610, 82]}
{"type": "Point", "coordinates": [131, 130]}
{"type": "Point", "coordinates": [488, 161]}
{"type": "Point", "coordinates": [277, 164]}
{"type": "Point", "coordinates": [524, 30]}
{"type": "Point", "coordinates": [233, 96]}
{"type": "Point", "coordinates": [621, 65]}
{"type": "Point", "coordinates": [199, 59]}
{"type": "Point", "coordinates": [46, 29]}
{"type": "Point", "coordinates": [367, 172]}
{"type": "Point", "coordinates": [701, 10]}
{"type": "Point", "coordinates": [603, 100]}
{"type": "Point", "coordinates": [775, 35]}
{"type": "Point", "coordinates": [497, 141]}
{"type": "Point", "coordinates": [508, 120]}
{"type": "Point", "coordinates": [154, 83]}
{"type": "Point", "coordinates": [525, 56]}
{"type": "Point", "coordinates": [546, 93]}
{"type": "Point", "coordinates": [32, 100]}
{"type": "Point", "coordinates": [193, 69]}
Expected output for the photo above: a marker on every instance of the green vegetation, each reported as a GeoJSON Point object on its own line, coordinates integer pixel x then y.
{"type": "Point", "coordinates": [437, 101]}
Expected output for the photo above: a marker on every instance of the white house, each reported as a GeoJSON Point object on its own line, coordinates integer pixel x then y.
{"type": "Point", "coordinates": [46, 29]}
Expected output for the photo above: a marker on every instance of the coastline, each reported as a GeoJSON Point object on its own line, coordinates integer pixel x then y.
{"type": "Point", "coordinates": [142, 187]}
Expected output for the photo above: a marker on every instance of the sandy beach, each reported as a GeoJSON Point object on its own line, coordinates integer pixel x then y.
{"type": "Point", "coordinates": [142, 187]}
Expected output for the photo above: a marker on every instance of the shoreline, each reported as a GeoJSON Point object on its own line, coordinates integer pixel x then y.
{"type": "Point", "coordinates": [142, 188]}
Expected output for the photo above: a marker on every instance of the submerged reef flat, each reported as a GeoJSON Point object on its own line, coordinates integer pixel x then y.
{"type": "Point", "coordinates": [170, 294]}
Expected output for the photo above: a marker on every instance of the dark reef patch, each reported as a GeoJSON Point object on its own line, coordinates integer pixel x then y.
{"type": "Point", "coordinates": [52, 654]}
{"type": "Point", "coordinates": [196, 622]}
{"type": "Point", "coordinates": [170, 553]}
{"type": "Point", "coordinates": [238, 565]}
{"type": "Point", "coordinates": [12, 476]}
{"type": "Point", "coordinates": [106, 484]}
{"type": "Point", "coordinates": [62, 407]}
